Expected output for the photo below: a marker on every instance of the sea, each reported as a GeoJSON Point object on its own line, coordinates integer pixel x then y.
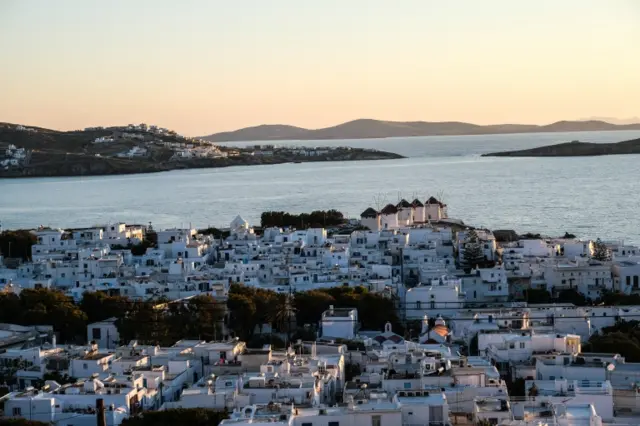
{"type": "Point", "coordinates": [587, 196]}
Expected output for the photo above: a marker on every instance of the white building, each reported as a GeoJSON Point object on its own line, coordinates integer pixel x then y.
{"type": "Point", "coordinates": [104, 333]}
{"type": "Point", "coordinates": [339, 323]}
{"type": "Point", "coordinates": [588, 277]}
{"type": "Point", "coordinates": [443, 296]}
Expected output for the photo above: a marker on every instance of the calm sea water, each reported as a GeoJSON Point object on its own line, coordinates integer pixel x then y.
{"type": "Point", "coordinates": [588, 196]}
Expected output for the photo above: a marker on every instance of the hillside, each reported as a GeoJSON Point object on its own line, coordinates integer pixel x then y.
{"type": "Point", "coordinates": [35, 152]}
{"type": "Point", "coordinates": [369, 129]}
{"type": "Point", "coordinates": [574, 149]}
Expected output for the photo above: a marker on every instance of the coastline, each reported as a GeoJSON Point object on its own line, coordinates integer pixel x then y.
{"type": "Point", "coordinates": [149, 167]}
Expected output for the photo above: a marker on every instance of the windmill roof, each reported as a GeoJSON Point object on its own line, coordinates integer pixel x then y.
{"type": "Point", "coordinates": [370, 212]}
{"type": "Point", "coordinates": [434, 200]}
{"type": "Point", "coordinates": [417, 203]}
{"type": "Point", "coordinates": [389, 209]}
{"type": "Point", "coordinates": [403, 204]}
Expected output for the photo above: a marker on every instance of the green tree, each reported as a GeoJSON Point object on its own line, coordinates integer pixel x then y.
{"type": "Point", "coordinates": [200, 318]}
{"type": "Point", "coordinates": [243, 315]}
{"type": "Point", "coordinates": [375, 310]}
{"type": "Point", "coordinates": [178, 416]}
{"type": "Point", "coordinates": [600, 251]}
{"type": "Point", "coordinates": [310, 305]}
{"type": "Point", "coordinates": [10, 308]}
{"type": "Point", "coordinates": [282, 313]}
{"type": "Point", "coordinates": [472, 254]}
{"type": "Point", "coordinates": [572, 296]}
{"type": "Point", "coordinates": [53, 307]}
{"type": "Point", "coordinates": [537, 295]}
{"type": "Point", "coordinates": [145, 323]}
{"type": "Point", "coordinates": [99, 306]}
{"type": "Point", "coordinates": [622, 338]}
{"type": "Point", "coordinates": [17, 243]}
{"type": "Point", "coordinates": [616, 298]}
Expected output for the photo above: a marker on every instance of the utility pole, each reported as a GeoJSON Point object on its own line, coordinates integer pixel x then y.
{"type": "Point", "coordinates": [100, 413]}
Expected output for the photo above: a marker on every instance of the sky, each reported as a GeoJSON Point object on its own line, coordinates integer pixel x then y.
{"type": "Point", "coordinates": [203, 66]}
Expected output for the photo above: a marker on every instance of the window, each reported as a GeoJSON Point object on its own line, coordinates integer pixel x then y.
{"type": "Point", "coordinates": [307, 424]}
{"type": "Point", "coordinates": [522, 345]}
{"type": "Point", "coordinates": [96, 333]}
{"type": "Point", "coordinates": [407, 385]}
{"type": "Point", "coordinates": [17, 411]}
{"type": "Point", "coordinates": [418, 305]}
{"type": "Point", "coordinates": [635, 281]}
{"type": "Point", "coordinates": [85, 366]}
{"type": "Point", "coordinates": [628, 280]}
{"type": "Point", "coordinates": [376, 420]}
{"type": "Point", "coordinates": [334, 424]}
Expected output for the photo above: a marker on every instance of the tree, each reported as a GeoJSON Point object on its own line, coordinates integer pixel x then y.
{"type": "Point", "coordinates": [17, 243]}
{"type": "Point", "coordinates": [375, 310]}
{"type": "Point", "coordinates": [537, 295]}
{"type": "Point", "coordinates": [242, 315]}
{"type": "Point", "coordinates": [144, 323]}
{"type": "Point", "coordinates": [316, 219]}
{"type": "Point", "coordinates": [99, 306]}
{"type": "Point", "coordinates": [310, 305]}
{"type": "Point", "coordinates": [53, 307]}
{"type": "Point", "coordinates": [282, 313]}
{"type": "Point", "coordinates": [202, 318]}
{"type": "Point", "coordinates": [600, 251]}
{"type": "Point", "coordinates": [622, 338]}
{"type": "Point", "coordinates": [472, 255]}
{"type": "Point", "coordinates": [572, 296]}
{"type": "Point", "coordinates": [178, 416]}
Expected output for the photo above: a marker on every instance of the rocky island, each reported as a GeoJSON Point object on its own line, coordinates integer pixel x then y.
{"type": "Point", "coordinates": [38, 152]}
{"type": "Point", "coordinates": [574, 149]}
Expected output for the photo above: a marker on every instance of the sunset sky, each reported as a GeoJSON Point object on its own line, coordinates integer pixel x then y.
{"type": "Point", "coordinates": [205, 66]}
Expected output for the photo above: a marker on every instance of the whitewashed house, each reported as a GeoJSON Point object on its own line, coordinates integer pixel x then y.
{"type": "Point", "coordinates": [339, 323]}
{"type": "Point", "coordinates": [442, 296]}
{"type": "Point", "coordinates": [104, 333]}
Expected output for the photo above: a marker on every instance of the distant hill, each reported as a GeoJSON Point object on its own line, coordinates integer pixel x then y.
{"type": "Point", "coordinates": [574, 149]}
{"type": "Point", "coordinates": [367, 128]}
{"type": "Point", "coordinates": [613, 120]}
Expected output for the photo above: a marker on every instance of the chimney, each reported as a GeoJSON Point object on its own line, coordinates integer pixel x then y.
{"type": "Point", "coordinates": [330, 309]}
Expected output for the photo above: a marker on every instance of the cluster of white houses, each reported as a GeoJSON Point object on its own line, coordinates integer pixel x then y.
{"type": "Point", "coordinates": [397, 382]}
{"type": "Point", "coordinates": [13, 157]}
{"type": "Point", "coordinates": [409, 252]}
{"type": "Point", "coordinates": [148, 136]}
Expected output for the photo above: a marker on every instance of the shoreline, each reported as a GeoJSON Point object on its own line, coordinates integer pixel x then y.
{"type": "Point", "coordinates": [375, 156]}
